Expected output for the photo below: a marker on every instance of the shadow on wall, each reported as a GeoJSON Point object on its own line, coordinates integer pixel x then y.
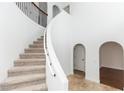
{"type": "Point", "coordinates": [67, 9]}
{"type": "Point", "coordinates": [56, 10]}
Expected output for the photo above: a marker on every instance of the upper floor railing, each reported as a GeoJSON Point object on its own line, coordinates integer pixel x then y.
{"type": "Point", "coordinates": [33, 12]}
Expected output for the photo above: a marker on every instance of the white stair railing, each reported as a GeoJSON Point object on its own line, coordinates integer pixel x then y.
{"type": "Point", "coordinates": [48, 57]}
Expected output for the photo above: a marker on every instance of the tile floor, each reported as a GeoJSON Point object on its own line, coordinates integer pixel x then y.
{"type": "Point", "coordinates": [78, 83]}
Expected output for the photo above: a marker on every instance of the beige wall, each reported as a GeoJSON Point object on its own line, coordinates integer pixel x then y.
{"type": "Point", "coordinates": [111, 55]}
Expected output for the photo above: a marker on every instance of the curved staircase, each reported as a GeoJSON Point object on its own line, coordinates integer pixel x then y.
{"type": "Point", "coordinates": [28, 73]}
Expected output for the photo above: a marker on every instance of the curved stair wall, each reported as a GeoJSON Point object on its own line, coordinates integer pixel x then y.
{"type": "Point", "coordinates": [61, 39]}
{"type": "Point", "coordinates": [55, 70]}
{"type": "Point", "coordinates": [17, 31]}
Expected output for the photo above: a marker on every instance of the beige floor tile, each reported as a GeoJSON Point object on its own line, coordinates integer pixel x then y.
{"type": "Point", "coordinates": [78, 83]}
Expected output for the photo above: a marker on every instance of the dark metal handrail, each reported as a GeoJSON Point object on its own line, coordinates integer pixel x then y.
{"type": "Point", "coordinates": [39, 8]}
{"type": "Point", "coordinates": [33, 12]}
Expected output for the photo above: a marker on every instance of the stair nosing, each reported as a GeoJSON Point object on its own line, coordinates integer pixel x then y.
{"type": "Point", "coordinates": [35, 59]}
{"type": "Point", "coordinates": [23, 78]}
{"type": "Point", "coordinates": [21, 68]}
{"type": "Point", "coordinates": [30, 88]}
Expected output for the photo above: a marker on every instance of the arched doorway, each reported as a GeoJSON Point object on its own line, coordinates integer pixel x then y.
{"type": "Point", "coordinates": [56, 10]}
{"type": "Point", "coordinates": [79, 59]}
{"type": "Point", "coordinates": [111, 64]}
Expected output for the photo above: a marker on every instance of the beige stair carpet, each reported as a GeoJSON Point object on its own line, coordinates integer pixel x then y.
{"type": "Point", "coordinates": [28, 73]}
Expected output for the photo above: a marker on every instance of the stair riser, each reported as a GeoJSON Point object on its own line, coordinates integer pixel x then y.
{"type": "Point", "coordinates": [18, 73]}
{"type": "Point", "coordinates": [31, 56]}
{"type": "Point", "coordinates": [36, 46]}
{"type": "Point", "coordinates": [37, 42]}
{"type": "Point", "coordinates": [34, 51]}
{"type": "Point", "coordinates": [22, 84]}
{"type": "Point", "coordinates": [40, 39]}
{"type": "Point", "coordinates": [45, 89]}
{"type": "Point", "coordinates": [42, 87]}
{"type": "Point", "coordinates": [28, 63]}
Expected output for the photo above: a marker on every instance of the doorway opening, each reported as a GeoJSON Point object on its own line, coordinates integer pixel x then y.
{"type": "Point", "coordinates": [79, 60]}
{"type": "Point", "coordinates": [111, 64]}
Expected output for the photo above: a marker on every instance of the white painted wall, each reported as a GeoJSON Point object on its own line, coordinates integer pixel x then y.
{"type": "Point", "coordinates": [97, 23]}
{"type": "Point", "coordinates": [17, 31]}
{"type": "Point", "coordinates": [61, 39]}
{"type": "Point", "coordinates": [92, 24]}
